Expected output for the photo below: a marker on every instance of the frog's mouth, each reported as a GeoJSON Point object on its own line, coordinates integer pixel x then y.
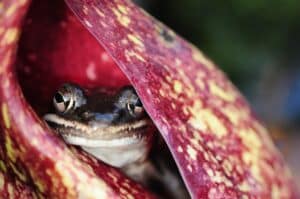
{"type": "Point", "coordinates": [101, 135]}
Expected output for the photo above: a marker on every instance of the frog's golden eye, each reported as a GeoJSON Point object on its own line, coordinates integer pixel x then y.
{"type": "Point", "coordinates": [68, 98]}
{"type": "Point", "coordinates": [135, 107]}
{"type": "Point", "coordinates": [62, 103]}
{"type": "Point", "coordinates": [129, 101]}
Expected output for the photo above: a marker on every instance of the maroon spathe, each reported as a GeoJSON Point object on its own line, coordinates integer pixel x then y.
{"type": "Point", "coordinates": [222, 151]}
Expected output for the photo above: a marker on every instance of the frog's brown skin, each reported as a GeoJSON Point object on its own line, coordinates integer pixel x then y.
{"type": "Point", "coordinates": [114, 128]}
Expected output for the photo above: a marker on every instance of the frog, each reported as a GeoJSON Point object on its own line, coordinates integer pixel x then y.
{"type": "Point", "coordinates": [114, 127]}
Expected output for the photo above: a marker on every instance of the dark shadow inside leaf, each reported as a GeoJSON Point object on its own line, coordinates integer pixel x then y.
{"type": "Point", "coordinates": [55, 48]}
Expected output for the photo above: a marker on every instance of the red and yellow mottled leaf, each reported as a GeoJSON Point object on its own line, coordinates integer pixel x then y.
{"type": "Point", "coordinates": [30, 151]}
{"type": "Point", "coordinates": [221, 149]}
{"type": "Point", "coordinates": [13, 188]}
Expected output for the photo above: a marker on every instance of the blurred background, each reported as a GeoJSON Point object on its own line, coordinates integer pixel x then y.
{"type": "Point", "coordinates": [257, 44]}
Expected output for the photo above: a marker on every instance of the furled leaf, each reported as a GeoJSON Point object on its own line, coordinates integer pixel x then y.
{"type": "Point", "coordinates": [221, 150]}
{"type": "Point", "coordinates": [41, 163]}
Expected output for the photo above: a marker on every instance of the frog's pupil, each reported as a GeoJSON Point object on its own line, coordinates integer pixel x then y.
{"type": "Point", "coordinates": [58, 98]}
{"type": "Point", "coordinates": [138, 103]}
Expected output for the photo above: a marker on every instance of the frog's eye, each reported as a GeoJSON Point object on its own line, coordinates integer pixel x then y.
{"type": "Point", "coordinates": [62, 103]}
{"type": "Point", "coordinates": [135, 107]}
{"type": "Point", "coordinates": [68, 98]}
{"type": "Point", "coordinates": [129, 101]}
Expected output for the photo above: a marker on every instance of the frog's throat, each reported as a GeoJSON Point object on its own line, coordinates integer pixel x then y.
{"type": "Point", "coordinates": [82, 134]}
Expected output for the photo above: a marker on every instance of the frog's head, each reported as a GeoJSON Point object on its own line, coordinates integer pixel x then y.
{"type": "Point", "coordinates": [101, 123]}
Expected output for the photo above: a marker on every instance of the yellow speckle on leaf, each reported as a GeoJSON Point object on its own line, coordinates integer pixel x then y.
{"type": "Point", "coordinates": [250, 138]}
{"type": "Point", "coordinates": [227, 166]}
{"type": "Point", "coordinates": [122, 19]}
{"type": "Point", "coordinates": [85, 10]}
{"type": "Point", "coordinates": [210, 172]}
{"type": "Point", "coordinates": [123, 9]}
{"type": "Point", "coordinates": [196, 123]}
{"type": "Point", "coordinates": [244, 197]}
{"type": "Point", "coordinates": [86, 187]}
{"type": "Point", "coordinates": [197, 106]}
{"type": "Point", "coordinates": [11, 9]}
{"type": "Point", "coordinates": [136, 40]}
{"type": "Point", "coordinates": [5, 116]}
{"type": "Point", "coordinates": [22, 2]}
{"type": "Point", "coordinates": [196, 120]}
{"type": "Point", "coordinates": [178, 62]}
{"type": "Point", "coordinates": [99, 12]}
{"type": "Point", "coordinates": [10, 191]}
{"type": "Point", "coordinates": [39, 185]}
{"type": "Point", "coordinates": [129, 196]}
{"type": "Point", "coordinates": [199, 57]}
{"type": "Point", "coordinates": [190, 168]}
{"type": "Point", "coordinates": [220, 92]}
{"type": "Point", "coordinates": [2, 166]}
{"type": "Point", "coordinates": [256, 172]}
{"type": "Point", "coordinates": [11, 153]}
{"type": "Point", "coordinates": [162, 92]}
{"type": "Point", "coordinates": [234, 114]}
{"type": "Point", "coordinates": [218, 177]}
{"type": "Point", "coordinates": [179, 149]}
{"type": "Point", "coordinates": [192, 152]}
{"type": "Point", "coordinates": [129, 54]}
{"type": "Point", "coordinates": [10, 36]}
{"type": "Point", "coordinates": [276, 192]}
{"type": "Point", "coordinates": [123, 191]}
{"type": "Point", "coordinates": [88, 23]}
{"type": "Point", "coordinates": [177, 86]}
{"type": "Point", "coordinates": [2, 181]}
{"type": "Point", "coordinates": [94, 189]}
{"type": "Point", "coordinates": [18, 173]}
{"type": "Point", "coordinates": [125, 194]}
{"type": "Point", "coordinates": [252, 154]}
{"type": "Point", "coordinates": [200, 83]}
{"type": "Point", "coordinates": [207, 117]}
{"type": "Point", "coordinates": [112, 176]}
{"type": "Point", "coordinates": [244, 187]}
{"type": "Point", "coordinates": [66, 177]}
{"type": "Point", "coordinates": [195, 141]}
{"type": "Point", "coordinates": [125, 21]}
{"type": "Point", "coordinates": [5, 62]}
{"type": "Point", "coordinates": [174, 106]}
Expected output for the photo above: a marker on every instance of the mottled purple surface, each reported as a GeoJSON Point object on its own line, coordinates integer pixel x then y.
{"type": "Point", "coordinates": [221, 149]}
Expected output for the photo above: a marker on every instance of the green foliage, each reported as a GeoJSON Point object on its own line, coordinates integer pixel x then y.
{"type": "Point", "coordinates": [242, 36]}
